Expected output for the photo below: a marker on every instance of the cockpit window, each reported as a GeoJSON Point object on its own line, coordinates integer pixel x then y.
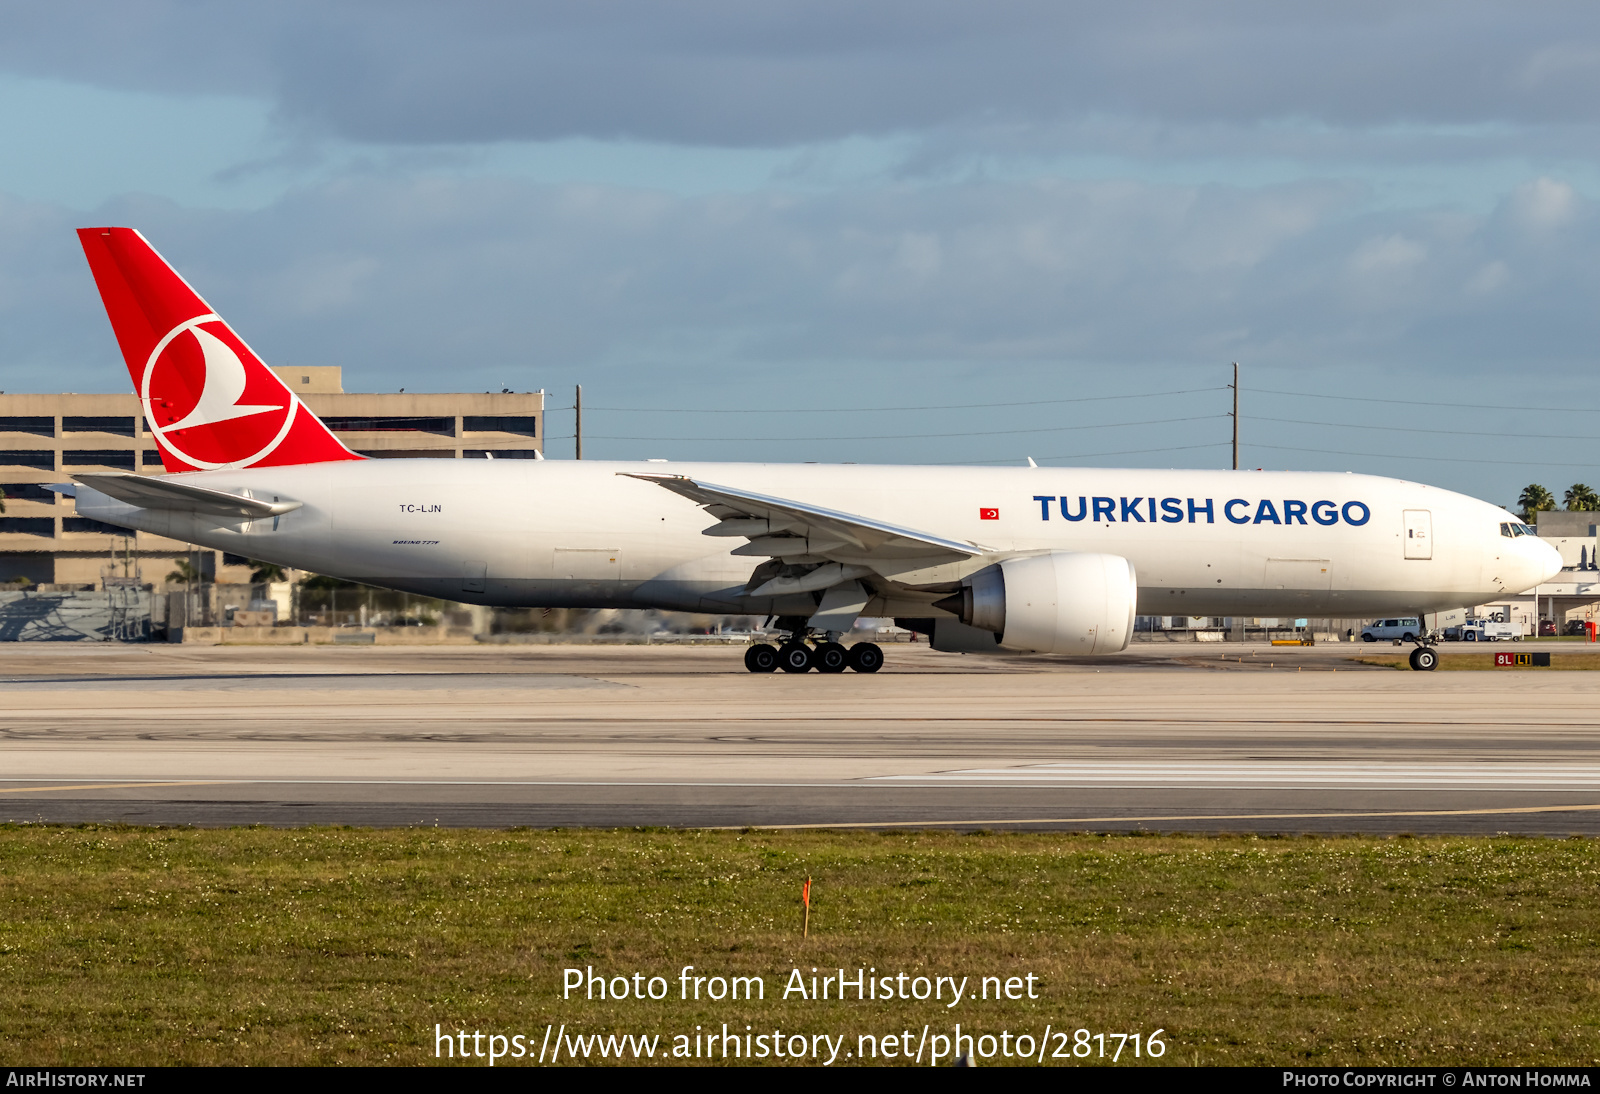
{"type": "Point", "coordinates": [1512, 530]}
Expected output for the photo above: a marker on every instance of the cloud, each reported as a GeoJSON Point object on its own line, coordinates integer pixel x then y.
{"type": "Point", "coordinates": [717, 72]}
{"type": "Point", "coordinates": [1544, 204]}
{"type": "Point", "coordinates": [447, 281]}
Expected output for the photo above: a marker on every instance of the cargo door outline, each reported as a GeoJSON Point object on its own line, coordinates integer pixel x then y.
{"type": "Point", "coordinates": [474, 576]}
{"type": "Point", "coordinates": [1306, 576]}
{"type": "Point", "coordinates": [1418, 534]}
{"type": "Point", "coordinates": [586, 565]}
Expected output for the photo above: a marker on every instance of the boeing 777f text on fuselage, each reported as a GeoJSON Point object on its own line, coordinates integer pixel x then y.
{"type": "Point", "coordinates": [1045, 560]}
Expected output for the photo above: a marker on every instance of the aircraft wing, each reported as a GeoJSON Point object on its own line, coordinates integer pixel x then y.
{"type": "Point", "coordinates": [783, 528]}
{"type": "Point", "coordinates": [150, 492]}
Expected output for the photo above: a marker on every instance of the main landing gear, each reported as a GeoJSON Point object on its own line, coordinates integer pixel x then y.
{"type": "Point", "coordinates": [824, 655]}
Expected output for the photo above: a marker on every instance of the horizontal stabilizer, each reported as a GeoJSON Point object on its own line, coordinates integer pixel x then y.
{"type": "Point", "coordinates": [148, 492]}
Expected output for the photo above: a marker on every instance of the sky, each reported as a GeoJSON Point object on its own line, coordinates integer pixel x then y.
{"type": "Point", "coordinates": [929, 232]}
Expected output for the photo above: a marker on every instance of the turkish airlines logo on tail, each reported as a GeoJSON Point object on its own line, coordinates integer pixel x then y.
{"type": "Point", "coordinates": [210, 401]}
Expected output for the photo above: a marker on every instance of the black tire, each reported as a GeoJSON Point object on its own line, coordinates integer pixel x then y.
{"type": "Point", "coordinates": [1366, 636]}
{"type": "Point", "coordinates": [866, 657]}
{"type": "Point", "coordinates": [1470, 636]}
{"type": "Point", "coordinates": [761, 658]}
{"type": "Point", "coordinates": [831, 657]}
{"type": "Point", "coordinates": [1407, 637]}
{"type": "Point", "coordinates": [795, 657]}
{"type": "Point", "coordinates": [1424, 659]}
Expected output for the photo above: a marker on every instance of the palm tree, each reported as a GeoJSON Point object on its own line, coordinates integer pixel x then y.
{"type": "Point", "coordinates": [1580, 499]}
{"type": "Point", "coordinates": [1535, 499]}
{"type": "Point", "coordinates": [264, 572]}
{"type": "Point", "coordinates": [185, 574]}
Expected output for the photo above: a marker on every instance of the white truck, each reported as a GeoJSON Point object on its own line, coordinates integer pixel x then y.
{"type": "Point", "coordinates": [1490, 630]}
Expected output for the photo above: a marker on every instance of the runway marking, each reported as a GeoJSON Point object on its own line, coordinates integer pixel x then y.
{"type": "Point", "coordinates": [106, 786]}
{"type": "Point", "coordinates": [1487, 775]}
{"type": "Point", "coordinates": [1193, 817]}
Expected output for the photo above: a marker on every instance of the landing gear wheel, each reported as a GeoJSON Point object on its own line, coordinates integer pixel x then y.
{"type": "Point", "coordinates": [795, 657]}
{"type": "Point", "coordinates": [866, 657]}
{"type": "Point", "coordinates": [761, 658]}
{"type": "Point", "coordinates": [1424, 659]}
{"type": "Point", "coordinates": [831, 657]}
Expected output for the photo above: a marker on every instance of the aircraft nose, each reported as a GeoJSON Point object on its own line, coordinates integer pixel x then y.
{"type": "Point", "coordinates": [1546, 557]}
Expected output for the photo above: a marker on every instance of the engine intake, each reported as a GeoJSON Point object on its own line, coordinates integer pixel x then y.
{"type": "Point", "coordinates": [1061, 602]}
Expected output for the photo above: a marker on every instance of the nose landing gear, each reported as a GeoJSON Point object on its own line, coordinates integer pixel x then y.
{"type": "Point", "coordinates": [1425, 658]}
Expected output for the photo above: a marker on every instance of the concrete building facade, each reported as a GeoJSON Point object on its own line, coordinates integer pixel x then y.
{"type": "Point", "coordinates": [48, 438]}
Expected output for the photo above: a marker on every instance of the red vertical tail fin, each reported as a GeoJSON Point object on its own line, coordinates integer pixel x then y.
{"type": "Point", "coordinates": [209, 401]}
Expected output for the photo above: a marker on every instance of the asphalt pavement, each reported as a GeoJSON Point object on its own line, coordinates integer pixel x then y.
{"type": "Point", "coordinates": [1173, 737]}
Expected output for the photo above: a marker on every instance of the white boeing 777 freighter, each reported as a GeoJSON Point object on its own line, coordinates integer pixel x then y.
{"type": "Point", "coordinates": [1046, 560]}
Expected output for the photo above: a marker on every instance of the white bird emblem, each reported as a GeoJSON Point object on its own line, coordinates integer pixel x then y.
{"type": "Point", "coordinates": [224, 384]}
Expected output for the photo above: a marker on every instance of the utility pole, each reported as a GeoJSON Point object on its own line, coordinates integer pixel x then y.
{"type": "Point", "coordinates": [1235, 415]}
{"type": "Point", "coordinates": [1236, 630]}
{"type": "Point", "coordinates": [577, 407]}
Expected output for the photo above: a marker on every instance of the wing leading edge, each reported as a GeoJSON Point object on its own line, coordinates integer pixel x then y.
{"type": "Point", "coordinates": [840, 546]}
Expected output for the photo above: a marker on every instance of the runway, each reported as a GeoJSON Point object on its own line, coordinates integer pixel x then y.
{"type": "Point", "coordinates": [1169, 738]}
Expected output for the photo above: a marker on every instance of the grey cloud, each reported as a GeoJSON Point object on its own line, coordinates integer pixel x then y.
{"type": "Point", "coordinates": [426, 282]}
{"type": "Point", "coordinates": [724, 73]}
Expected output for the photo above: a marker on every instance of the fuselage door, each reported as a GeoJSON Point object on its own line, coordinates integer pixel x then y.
{"type": "Point", "coordinates": [587, 565]}
{"type": "Point", "coordinates": [1419, 533]}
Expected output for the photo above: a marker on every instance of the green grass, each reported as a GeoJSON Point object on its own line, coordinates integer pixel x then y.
{"type": "Point", "coordinates": [153, 946]}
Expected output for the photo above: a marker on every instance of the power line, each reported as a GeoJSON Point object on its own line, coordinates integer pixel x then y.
{"type": "Point", "coordinates": [1420, 402]}
{"type": "Point", "coordinates": [1138, 451]}
{"type": "Point", "coordinates": [1430, 459]}
{"type": "Point", "coordinates": [929, 436]}
{"type": "Point", "coordinates": [885, 409]}
{"type": "Point", "coordinates": [1088, 455]}
{"type": "Point", "coordinates": [1059, 402]}
{"type": "Point", "coordinates": [1413, 429]}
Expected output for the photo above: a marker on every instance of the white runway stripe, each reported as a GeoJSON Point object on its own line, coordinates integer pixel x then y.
{"type": "Point", "coordinates": [1319, 775]}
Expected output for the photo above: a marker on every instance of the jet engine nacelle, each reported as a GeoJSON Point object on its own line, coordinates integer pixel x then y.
{"type": "Point", "coordinates": [1061, 602]}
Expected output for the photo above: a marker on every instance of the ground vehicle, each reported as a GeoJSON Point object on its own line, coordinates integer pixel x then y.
{"type": "Point", "coordinates": [1489, 630]}
{"type": "Point", "coordinates": [1388, 630]}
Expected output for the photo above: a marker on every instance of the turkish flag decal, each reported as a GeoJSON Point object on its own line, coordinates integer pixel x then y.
{"type": "Point", "coordinates": [988, 514]}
